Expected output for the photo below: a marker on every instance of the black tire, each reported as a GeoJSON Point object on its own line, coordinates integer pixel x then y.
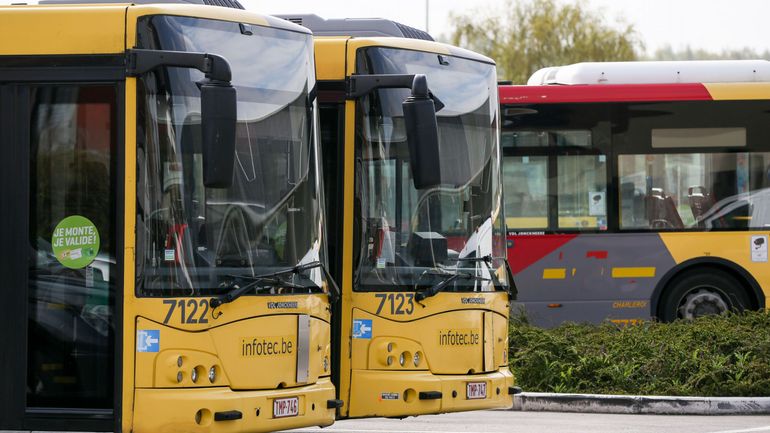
{"type": "Point", "coordinates": [702, 292]}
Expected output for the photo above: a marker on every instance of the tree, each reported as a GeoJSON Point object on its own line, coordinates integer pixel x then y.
{"type": "Point", "coordinates": [531, 34]}
{"type": "Point", "coordinates": [688, 53]}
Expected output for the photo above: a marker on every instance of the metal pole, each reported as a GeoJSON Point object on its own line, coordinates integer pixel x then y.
{"type": "Point", "coordinates": [427, 15]}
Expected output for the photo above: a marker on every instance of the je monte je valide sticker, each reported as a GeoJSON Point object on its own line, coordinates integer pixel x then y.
{"type": "Point", "coordinates": [75, 242]}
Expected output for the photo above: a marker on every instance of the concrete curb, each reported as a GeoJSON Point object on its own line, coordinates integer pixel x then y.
{"type": "Point", "coordinates": [631, 404]}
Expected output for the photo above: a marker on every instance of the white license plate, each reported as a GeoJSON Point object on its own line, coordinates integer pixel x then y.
{"type": "Point", "coordinates": [476, 390]}
{"type": "Point", "coordinates": [283, 407]}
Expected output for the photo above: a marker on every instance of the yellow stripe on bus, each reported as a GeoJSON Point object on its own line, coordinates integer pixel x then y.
{"type": "Point", "coordinates": [738, 91]}
{"type": "Point", "coordinates": [554, 273]}
{"type": "Point", "coordinates": [633, 272]}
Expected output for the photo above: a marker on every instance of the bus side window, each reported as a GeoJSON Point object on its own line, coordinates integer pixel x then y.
{"type": "Point", "coordinates": [661, 211]}
{"type": "Point", "coordinates": [700, 202]}
{"type": "Point", "coordinates": [526, 191]}
{"type": "Point", "coordinates": [693, 190]}
{"type": "Point", "coordinates": [582, 187]}
{"type": "Point", "coordinates": [632, 202]}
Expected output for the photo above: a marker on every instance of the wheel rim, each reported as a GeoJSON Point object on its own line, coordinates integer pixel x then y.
{"type": "Point", "coordinates": [702, 301]}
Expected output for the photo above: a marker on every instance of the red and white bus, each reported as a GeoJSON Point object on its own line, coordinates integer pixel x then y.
{"type": "Point", "coordinates": [638, 190]}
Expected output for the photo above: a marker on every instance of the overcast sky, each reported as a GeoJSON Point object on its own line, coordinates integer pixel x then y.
{"type": "Point", "coordinates": [708, 24]}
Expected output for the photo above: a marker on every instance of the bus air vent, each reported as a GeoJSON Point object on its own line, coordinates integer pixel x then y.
{"type": "Point", "coordinates": [413, 33]}
{"type": "Point", "coordinates": [224, 3]}
{"type": "Point", "coordinates": [360, 27]}
{"type": "Point", "coordinates": [297, 21]}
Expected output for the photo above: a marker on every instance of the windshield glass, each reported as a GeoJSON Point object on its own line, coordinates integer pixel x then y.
{"type": "Point", "coordinates": [193, 240]}
{"type": "Point", "coordinates": [407, 238]}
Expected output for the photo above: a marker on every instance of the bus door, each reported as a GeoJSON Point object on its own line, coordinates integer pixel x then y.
{"type": "Point", "coordinates": [58, 269]}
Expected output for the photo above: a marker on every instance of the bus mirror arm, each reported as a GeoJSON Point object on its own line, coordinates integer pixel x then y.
{"type": "Point", "coordinates": [215, 67]}
{"type": "Point", "coordinates": [513, 292]}
{"type": "Point", "coordinates": [218, 106]}
{"type": "Point", "coordinates": [362, 85]}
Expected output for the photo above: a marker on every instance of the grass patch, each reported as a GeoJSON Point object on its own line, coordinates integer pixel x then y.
{"type": "Point", "coordinates": [726, 355]}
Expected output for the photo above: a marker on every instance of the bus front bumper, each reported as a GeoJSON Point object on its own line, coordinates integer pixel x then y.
{"type": "Point", "coordinates": [403, 393]}
{"type": "Point", "coordinates": [222, 410]}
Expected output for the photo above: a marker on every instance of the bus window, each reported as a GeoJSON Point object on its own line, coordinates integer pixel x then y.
{"type": "Point", "coordinates": [524, 139]}
{"type": "Point", "coordinates": [582, 186]}
{"type": "Point", "coordinates": [526, 193]}
{"type": "Point", "coordinates": [191, 238]}
{"type": "Point", "coordinates": [694, 190]}
{"type": "Point", "coordinates": [71, 275]}
{"type": "Point", "coordinates": [578, 181]}
{"type": "Point", "coordinates": [577, 138]}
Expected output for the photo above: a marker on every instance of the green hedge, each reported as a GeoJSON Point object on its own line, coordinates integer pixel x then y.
{"type": "Point", "coordinates": [727, 355]}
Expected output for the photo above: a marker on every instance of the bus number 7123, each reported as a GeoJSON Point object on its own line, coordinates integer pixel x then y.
{"type": "Point", "coordinates": [396, 301]}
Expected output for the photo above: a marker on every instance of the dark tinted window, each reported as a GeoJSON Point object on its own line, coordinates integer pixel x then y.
{"type": "Point", "coordinates": [72, 250]}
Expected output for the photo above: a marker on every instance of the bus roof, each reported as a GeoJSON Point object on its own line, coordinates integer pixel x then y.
{"type": "Point", "coordinates": [654, 72]}
{"type": "Point", "coordinates": [224, 3]}
{"type": "Point", "coordinates": [644, 82]}
{"type": "Point", "coordinates": [90, 29]}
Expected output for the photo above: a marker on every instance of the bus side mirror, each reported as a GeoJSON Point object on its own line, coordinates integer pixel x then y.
{"type": "Point", "coordinates": [422, 135]}
{"type": "Point", "coordinates": [218, 119]}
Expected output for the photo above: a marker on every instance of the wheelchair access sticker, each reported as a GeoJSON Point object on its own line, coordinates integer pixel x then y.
{"type": "Point", "coordinates": [148, 340]}
{"type": "Point", "coordinates": [362, 328]}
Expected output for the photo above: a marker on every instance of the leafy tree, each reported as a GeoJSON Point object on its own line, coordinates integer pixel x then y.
{"type": "Point", "coordinates": [688, 53]}
{"type": "Point", "coordinates": [531, 34]}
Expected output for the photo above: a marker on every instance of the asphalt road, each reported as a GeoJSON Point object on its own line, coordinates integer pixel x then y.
{"type": "Point", "coordinates": [551, 422]}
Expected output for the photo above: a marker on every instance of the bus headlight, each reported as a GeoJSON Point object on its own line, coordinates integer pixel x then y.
{"type": "Point", "coordinates": [326, 363]}
{"type": "Point", "coordinates": [389, 361]}
{"type": "Point", "coordinates": [402, 359]}
{"type": "Point", "coordinates": [416, 359]}
{"type": "Point", "coordinates": [194, 375]}
{"type": "Point", "coordinates": [212, 374]}
{"type": "Point", "coordinates": [179, 377]}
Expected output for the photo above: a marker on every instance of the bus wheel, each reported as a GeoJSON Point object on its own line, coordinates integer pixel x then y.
{"type": "Point", "coordinates": [702, 293]}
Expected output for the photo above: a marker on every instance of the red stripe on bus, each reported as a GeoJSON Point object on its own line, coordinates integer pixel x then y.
{"type": "Point", "coordinates": [525, 250]}
{"type": "Point", "coordinates": [597, 254]}
{"type": "Point", "coordinates": [603, 93]}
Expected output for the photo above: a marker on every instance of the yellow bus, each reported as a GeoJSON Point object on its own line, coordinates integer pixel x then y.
{"type": "Point", "coordinates": [164, 250]}
{"type": "Point", "coordinates": [637, 190]}
{"type": "Point", "coordinates": [412, 172]}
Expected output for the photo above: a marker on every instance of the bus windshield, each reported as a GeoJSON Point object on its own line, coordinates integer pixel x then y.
{"type": "Point", "coordinates": [408, 239]}
{"type": "Point", "coordinates": [198, 241]}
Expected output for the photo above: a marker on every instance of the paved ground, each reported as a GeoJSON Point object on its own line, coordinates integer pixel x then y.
{"type": "Point", "coordinates": [552, 422]}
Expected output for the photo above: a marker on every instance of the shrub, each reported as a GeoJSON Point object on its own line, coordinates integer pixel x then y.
{"type": "Point", "coordinates": [726, 355]}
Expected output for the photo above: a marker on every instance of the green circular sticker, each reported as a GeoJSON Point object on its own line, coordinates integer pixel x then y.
{"type": "Point", "coordinates": [75, 242]}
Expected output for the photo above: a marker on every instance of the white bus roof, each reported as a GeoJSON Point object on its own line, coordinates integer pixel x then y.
{"type": "Point", "coordinates": [651, 72]}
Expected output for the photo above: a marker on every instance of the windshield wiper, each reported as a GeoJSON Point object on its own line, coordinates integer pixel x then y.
{"type": "Point", "coordinates": [487, 259]}
{"type": "Point", "coordinates": [443, 284]}
{"type": "Point", "coordinates": [272, 280]}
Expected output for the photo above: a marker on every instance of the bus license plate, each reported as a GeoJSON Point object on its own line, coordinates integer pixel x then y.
{"type": "Point", "coordinates": [284, 407]}
{"type": "Point", "coordinates": [476, 390]}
